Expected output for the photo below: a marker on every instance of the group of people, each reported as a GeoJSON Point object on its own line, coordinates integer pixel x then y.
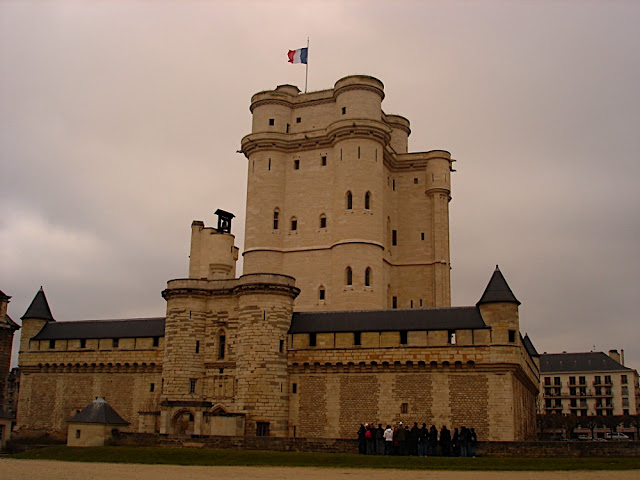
{"type": "Point", "coordinates": [416, 441]}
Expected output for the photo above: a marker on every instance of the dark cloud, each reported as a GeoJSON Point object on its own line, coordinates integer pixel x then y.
{"type": "Point", "coordinates": [120, 124]}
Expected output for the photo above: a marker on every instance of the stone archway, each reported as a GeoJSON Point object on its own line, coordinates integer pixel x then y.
{"type": "Point", "coordinates": [182, 423]}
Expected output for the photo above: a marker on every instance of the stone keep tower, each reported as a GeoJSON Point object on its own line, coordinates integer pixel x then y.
{"type": "Point", "coordinates": [7, 328]}
{"type": "Point", "coordinates": [335, 200]}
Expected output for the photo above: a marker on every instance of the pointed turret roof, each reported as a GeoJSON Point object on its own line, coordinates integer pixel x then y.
{"type": "Point", "coordinates": [99, 411]}
{"type": "Point", "coordinates": [528, 344]}
{"type": "Point", "coordinates": [39, 308]}
{"type": "Point", "coordinates": [4, 296]}
{"type": "Point", "coordinates": [498, 290]}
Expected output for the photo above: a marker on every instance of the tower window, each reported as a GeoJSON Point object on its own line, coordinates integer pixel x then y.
{"type": "Point", "coordinates": [281, 346]}
{"type": "Point", "coordinates": [156, 341]}
{"type": "Point", "coordinates": [394, 302]}
{"type": "Point", "coordinates": [276, 214]}
{"type": "Point", "coordinates": [52, 344]}
{"type": "Point", "coordinates": [288, 127]}
{"type": "Point", "coordinates": [272, 121]}
{"type": "Point", "coordinates": [393, 184]}
{"type": "Point", "coordinates": [403, 337]}
{"type": "Point", "coordinates": [344, 110]}
{"type": "Point", "coordinates": [322, 293]}
{"type": "Point", "coordinates": [294, 388]}
{"type": "Point", "coordinates": [357, 338]}
{"type": "Point", "coordinates": [116, 342]}
{"type": "Point", "coordinates": [296, 164]}
{"type": "Point", "coordinates": [367, 277]}
{"type": "Point", "coordinates": [298, 119]}
{"type": "Point", "coordinates": [415, 180]}
{"type": "Point", "coordinates": [323, 221]}
{"type": "Point", "coordinates": [451, 337]}
{"type": "Point", "coordinates": [394, 237]}
{"type": "Point", "coordinates": [358, 152]}
{"type": "Point", "coordinates": [221, 346]}
{"type": "Point", "coordinates": [349, 201]}
{"type": "Point", "coordinates": [294, 224]}
{"type": "Point", "coordinates": [197, 346]}
{"type": "Point", "coordinates": [512, 336]}
{"type": "Point", "coordinates": [192, 385]}
{"type": "Point", "coordinates": [367, 201]}
{"type": "Point", "coordinates": [83, 343]}
{"type": "Point", "coordinates": [348, 276]}
{"type": "Point", "coordinates": [422, 235]}
{"type": "Point", "coordinates": [269, 164]}
{"type": "Point", "coordinates": [312, 339]}
{"type": "Point", "coordinates": [323, 160]}
{"type": "Point", "coordinates": [152, 387]}
{"type": "Point", "coordinates": [404, 408]}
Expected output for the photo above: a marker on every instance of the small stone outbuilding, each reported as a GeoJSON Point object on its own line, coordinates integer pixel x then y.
{"type": "Point", "coordinates": [94, 425]}
{"type": "Point", "coordinates": [6, 422]}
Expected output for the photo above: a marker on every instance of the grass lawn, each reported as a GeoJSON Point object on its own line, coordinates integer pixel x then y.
{"type": "Point", "coordinates": [202, 456]}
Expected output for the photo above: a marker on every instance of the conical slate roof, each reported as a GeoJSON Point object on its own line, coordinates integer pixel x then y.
{"type": "Point", "coordinates": [4, 296]}
{"type": "Point", "coordinates": [99, 411]}
{"type": "Point", "coordinates": [498, 290]}
{"type": "Point", "coordinates": [39, 308]}
{"type": "Point", "coordinates": [528, 344]}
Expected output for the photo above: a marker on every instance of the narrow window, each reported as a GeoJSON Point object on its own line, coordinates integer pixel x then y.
{"type": "Point", "coordinates": [367, 277]}
{"type": "Point", "coordinates": [394, 302]}
{"type": "Point", "coordinates": [512, 336]}
{"type": "Point", "coordinates": [298, 119]}
{"type": "Point", "coordinates": [281, 346]}
{"type": "Point", "coordinates": [262, 429]}
{"type": "Point", "coordinates": [349, 201]}
{"type": "Point", "coordinates": [288, 126]}
{"type": "Point", "coordinates": [367, 201]}
{"type": "Point", "coordinates": [376, 156]}
{"type": "Point", "coordinates": [269, 164]}
{"type": "Point", "coordinates": [77, 433]}
{"type": "Point", "coordinates": [272, 121]}
{"type": "Point", "coordinates": [411, 303]}
{"type": "Point", "coordinates": [415, 181]}
{"type": "Point", "coordinates": [394, 237]}
{"type": "Point", "coordinates": [294, 388]}
{"type": "Point", "coordinates": [323, 221]}
{"type": "Point", "coordinates": [348, 276]}
{"type": "Point", "coordinates": [83, 343]}
{"type": "Point", "coordinates": [312, 339]}
{"type": "Point", "coordinates": [296, 164]}
{"type": "Point", "coordinates": [324, 161]}
{"type": "Point", "coordinates": [403, 337]}
{"type": "Point", "coordinates": [221, 346]}
{"type": "Point", "coordinates": [404, 408]}
{"type": "Point", "coordinates": [393, 184]}
{"type": "Point", "coordinates": [422, 235]}
{"type": "Point", "coordinates": [357, 338]}
{"type": "Point", "coordinates": [321, 293]}
{"type": "Point", "coordinates": [116, 342]}
{"type": "Point", "coordinates": [152, 387]}
{"type": "Point", "coordinates": [192, 386]}
{"type": "Point", "coordinates": [344, 110]}
{"type": "Point", "coordinates": [451, 337]}
{"type": "Point", "coordinates": [221, 370]}
{"type": "Point", "coordinates": [52, 344]}
{"type": "Point", "coordinates": [197, 346]}
{"type": "Point", "coordinates": [156, 341]}
{"type": "Point", "coordinates": [358, 152]}
{"type": "Point", "coordinates": [276, 214]}
{"type": "Point", "coordinates": [294, 224]}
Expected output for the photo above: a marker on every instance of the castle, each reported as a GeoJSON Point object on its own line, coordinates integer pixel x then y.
{"type": "Point", "coordinates": [342, 316]}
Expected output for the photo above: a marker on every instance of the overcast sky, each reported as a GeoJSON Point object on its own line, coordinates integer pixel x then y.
{"type": "Point", "coordinates": [120, 121]}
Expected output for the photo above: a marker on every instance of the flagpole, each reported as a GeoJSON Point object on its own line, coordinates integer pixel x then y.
{"type": "Point", "coordinates": [306, 75]}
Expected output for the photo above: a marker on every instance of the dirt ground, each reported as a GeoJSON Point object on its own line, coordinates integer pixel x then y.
{"type": "Point", "coordinates": [11, 469]}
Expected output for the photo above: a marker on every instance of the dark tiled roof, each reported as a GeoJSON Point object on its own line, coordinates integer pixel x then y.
{"type": "Point", "coordinates": [10, 322]}
{"type": "Point", "coordinates": [4, 296]}
{"type": "Point", "coordinates": [39, 308]}
{"type": "Point", "coordinates": [387, 320]}
{"type": "Point", "coordinates": [578, 362]}
{"type": "Point", "coordinates": [528, 344]}
{"type": "Point", "coordinates": [498, 290]}
{"type": "Point", "coordinates": [99, 411]}
{"type": "Point", "coordinates": [129, 328]}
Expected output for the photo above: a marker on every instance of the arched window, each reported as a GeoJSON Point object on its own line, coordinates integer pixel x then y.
{"type": "Point", "coordinates": [276, 216]}
{"type": "Point", "coordinates": [348, 280]}
{"type": "Point", "coordinates": [322, 294]}
{"type": "Point", "coordinates": [349, 201]}
{"type": "Point", "coordinates": [367, 201]}
{"type": "Point", "coordinates": [323, 221]}
{"type": "Point", "coordinates": [367, 277]}
{"type": "Point", "coordinates": [294, 223]}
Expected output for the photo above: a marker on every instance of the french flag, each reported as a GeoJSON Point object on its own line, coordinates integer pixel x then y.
{"type": "Point", "coordinates": [298, 56]}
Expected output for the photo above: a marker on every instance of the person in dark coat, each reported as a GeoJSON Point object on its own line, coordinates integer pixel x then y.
{"type": "Point", "coordinates": [423, 441]}
{"type": "Point", "coordinates": [362, 442]}
{"type": "Point", "coordinates": [445, 441]}
{"type": "Point", "coordinates": [455, 443]}
{"type": "Point", "coordinates": [412, 442]}
{"type": "Point", "coordinates": [379, 440]}
{"type": "Point", "coordinates": [433, 441]}
{"type": "Point", "coordinates": [473, 442]}
{"type": "Point", "coordinates": [402, 440]}
{"type": "Point", "coordinates": [465, 439]}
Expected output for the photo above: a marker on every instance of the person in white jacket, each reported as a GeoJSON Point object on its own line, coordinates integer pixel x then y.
{"type": "Point", "coordinates": [388, 440]}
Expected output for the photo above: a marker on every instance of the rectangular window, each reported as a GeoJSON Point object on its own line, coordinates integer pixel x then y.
{"type": "Point", "coordinates": [294, 225]}
{"type": "Point", "coordinates": [357, 338]}
{"type": "Point", "coordinates": [288, 126]}
{"type": "Point", "coordinates": [294, 388]}
{"type": "Point", "coordinates": [403, 337]}
{"type": "Point", "coordinates": [625, 402]}
{"type": "Point", "coordinates": [358, 152]}
{"type": "Point", "coordinates": [156, 341]}
{"type": "Point", "coordinates": [152, 387]}
{"type": "Point", "coordinates": [625, 390]}
{"type": "Point", "coordinates": [281, 346]}
{"type": "Point", "coordinates": [404, 408]}
{"type": "Point", "coordinates": [547, 403]}
{"type": "Point", "coordinates": [623, 379]}
{"type": "Point", "coordinates": [393, 184]}
{"type": "Point", "coordinates": [116, 342]}
{"type": "Point", "coordinates": [192, 385]}
{"type": "Point", "coordinates": [607, 379]}
{"type": "Point", "coordinates": [77, 433]}
{"type": "Point", "coordinates": [272, 121]}
{"type": "Point", "coordinates": [344, 110]}
{"type": "Point", "coordinates": [422, 236]}
{"type": "Point", "coordinates": [574, 402]}
{"type": "Point", "coordinates": [558, 402]}
{"type": "Point", "coordinates": [451, 337]}
{"type": "Point", "coordinates": [322, 293]}
{"type": "Point", "coordinates": [597, 380]}
{"type": "Point", "coordinates": [312, 339]}
{"type": "Point", "coordinates": [547, 380]}
{"type": "Point", "coordinates": [323, 222]}
{"type": "Point", "coordinates": [52, 344]}
{"type": "Point", "coordinates": [262, 429]}
{"type": "Point", "coordinates": [221, 347]}
{"type": "Point", "coordinates": [324, 161]}
{"type": "Point", "coordinates": [625, 411]}
{"type": "Point", "coordinates": [197, 346]}
{"type": "Point", "coordinates": [582, 380]}
{"type": "Point", "coordinates": [298, 119]}
{"type": "Point", "coordinates": [556, 381]}
{"type": "Point", "coordinates": [83, 343]}
{"type": "Point", "coordinates": [572, 380]}
{"type": "Point", "coordinates": [394, 302]}
{"type": "Point", "coordinates": [512, 336]}
{"type": "Point", "coordinates": [296, 164]}
{"type": "Point", "coordinates": [394, 237]}
{"type": "Point", "coordinates": [415, 181]}
{"type": "Point", "coordinates": [269, 164]}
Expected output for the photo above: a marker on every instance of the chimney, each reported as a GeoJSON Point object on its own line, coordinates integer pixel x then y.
{"type": "Point", "coordinates": [614, 355]}
{"type": "Point", "coordinates": [622, 357]}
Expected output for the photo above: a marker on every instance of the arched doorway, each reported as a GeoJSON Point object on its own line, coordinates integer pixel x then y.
{"type": "Point", "coordinates": [183, 423]}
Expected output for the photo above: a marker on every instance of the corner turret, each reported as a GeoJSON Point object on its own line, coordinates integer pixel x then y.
{"type": "Point", "coordinates": [499, 309]}
{"type": "Point", "coordinates": [213, 253]}
{"type": "Point", "coordinates": [38, 314]}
